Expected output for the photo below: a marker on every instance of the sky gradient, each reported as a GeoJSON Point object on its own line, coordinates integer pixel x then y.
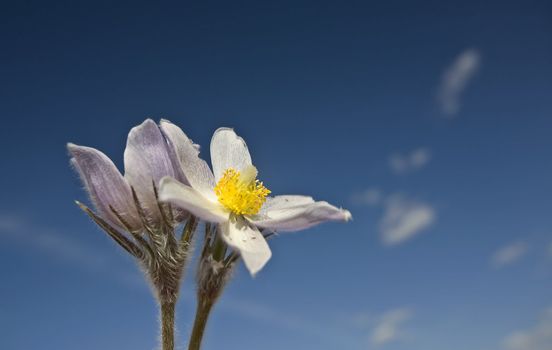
{"type": "Point", "coordinates": [430, 122]}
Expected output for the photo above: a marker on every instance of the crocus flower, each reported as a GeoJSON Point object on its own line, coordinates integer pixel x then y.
{"type": "Point", "coordinates": [148, 157]}
{"type": "Point", "coordinates": [130, 203]}
{"type": "Point", "coordinates": [232, 197]}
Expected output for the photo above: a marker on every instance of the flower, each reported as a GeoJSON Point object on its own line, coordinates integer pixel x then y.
{"type": "Point", "coordinates": [232, 197]}
{"type": "Point", "coordinates": [130, 203]}
{"type": "Point", "coordinates": [148, 157]}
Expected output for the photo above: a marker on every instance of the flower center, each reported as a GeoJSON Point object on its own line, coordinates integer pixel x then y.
{"type": "Point", "coordinates": [241, 192]}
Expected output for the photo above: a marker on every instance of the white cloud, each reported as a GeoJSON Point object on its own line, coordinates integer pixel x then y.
{"type": "Point", "coordinates": [455, 80]}
{"type": "Point", "coordinates": [50, 242]}
{"type": "Point", "coordinates": [537, 338]}
{"type": "Point", "coordinates": [509, 254]}
{"type": "Point", "coordinates": [319, 329]}
{"type": "Point", "coordinates": [389, 326]}
{"type": "Point", "coordinates": [68, 249]}
{"type": "Point", "coordinates": [61, 246]}
{"type": "Point", "coordinates": [371, 197]}
{"type": "Point", "coordinates": [404, 218]}
{"type": "Point", "coordinates": [9, 223]}
{"type": "Point", "coordinates": [265, 313]}
{"type": "Point", "coordinates": [415, 160]}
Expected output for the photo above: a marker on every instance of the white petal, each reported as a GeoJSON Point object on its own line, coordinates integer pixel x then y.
{"type": "Point", "coordinates": [251, 244]}
{"type": "Point", "coordinates": [195, 169]}
{"type": "Point", "coordinates": [147, 160]}
{"type": "Point", "coordinates": [283, 202]}
{"type": "Point", "coordinates": [228, 150]}
{"type": "Point", "coordinates": [189, 199]}
{"type": "Point", "coordinates": [105, 185]}
{"type": "Point", "coordinates": [288, 217]}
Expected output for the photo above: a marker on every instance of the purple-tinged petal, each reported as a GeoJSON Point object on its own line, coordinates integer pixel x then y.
{"type": "Point", "coordinates": [228, 150]}
{"type": "Point", "coordinates": [248, 241]}
{"type": "Point", "coordinates": [191, 200]}
{"type": "Point", "coordinates": [105, 185]}
{"type": "Point", "coordinates": [147, 161]}
{"type": "Point", "coordinates": [196, 170]}
{"type": "Point", "coordinates": [298, 214]}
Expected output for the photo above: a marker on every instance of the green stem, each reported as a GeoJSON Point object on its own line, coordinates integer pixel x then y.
{"type": "Point", "coordinates": [167, 325]}
{"type": "Point", "coordinates": [219, 250]}
{"type": "Point", "coordinates": [202, 314]}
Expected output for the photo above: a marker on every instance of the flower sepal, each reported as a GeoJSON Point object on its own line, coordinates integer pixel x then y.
{"type": "Point", "coordinates": [155, 246]}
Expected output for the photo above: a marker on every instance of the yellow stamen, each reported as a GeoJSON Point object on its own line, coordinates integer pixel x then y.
{"type": "Point", "coordinates": [241, 193]}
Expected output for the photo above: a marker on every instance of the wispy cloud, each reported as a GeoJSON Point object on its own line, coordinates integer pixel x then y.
{"type": "Point", "coordinates": [415, 160]}
{"type": "Point", "coordinates": [289, 321]}
{"type": "Point", "coordinates": [509, 254]}
{"type": "Point", "coordinates": [404, 218]}
{"type": "Point", "coordinates": [49, 241]}
{"type": "Point", "coordinates": [371, 197]}
{"type": "Point", "coordinates": [383, 328]}
{"type": "Point", "coordinates": [60, 246]}
{"type": "Point", "coordinates": [265, 313]}
{"type": "Point", "coordinates": [9, 223]}
{"type": "Point", "coordinates": [388, 328]}
{"type": "Point", "coordinates": [537, 338]}
{"type": "Point", "coordinates": [456, 79]}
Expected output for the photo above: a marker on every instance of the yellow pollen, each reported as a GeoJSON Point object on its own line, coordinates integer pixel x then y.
{"type": "Point", "coordinates": [241, 193]}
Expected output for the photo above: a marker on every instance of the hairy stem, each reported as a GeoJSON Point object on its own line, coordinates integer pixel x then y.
{"type": "Point", "coordinates": [204, 307]}
{"type": "Point", "coordinates": [167, 325]}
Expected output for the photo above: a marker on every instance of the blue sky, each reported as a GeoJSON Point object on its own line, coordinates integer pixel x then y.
{"type": "Point", "coordinates": [429, 121]}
